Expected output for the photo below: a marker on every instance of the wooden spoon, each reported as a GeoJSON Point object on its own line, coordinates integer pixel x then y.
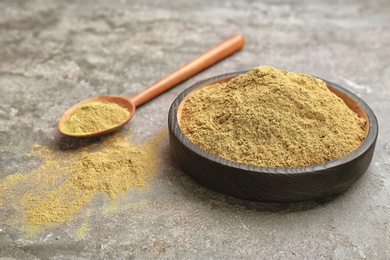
{"type": "Point", "coordinates": [210, 57]}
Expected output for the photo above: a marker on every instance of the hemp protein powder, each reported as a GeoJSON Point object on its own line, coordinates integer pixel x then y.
{"type": "Point", "coordinates": [272, 118]}
{"type": "Point", "coordinates": [95, 116]}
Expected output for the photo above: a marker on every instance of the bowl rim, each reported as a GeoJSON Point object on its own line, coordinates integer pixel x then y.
{"type": "Point", "coordinates": [310, 169]}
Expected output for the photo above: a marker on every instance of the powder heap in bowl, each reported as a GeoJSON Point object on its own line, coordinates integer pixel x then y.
{"type": "Point", "coordinates": [272, 118]}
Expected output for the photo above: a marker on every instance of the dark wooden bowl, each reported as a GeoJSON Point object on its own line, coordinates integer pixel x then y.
{"type": "Point", "coordinates": [266, 183]}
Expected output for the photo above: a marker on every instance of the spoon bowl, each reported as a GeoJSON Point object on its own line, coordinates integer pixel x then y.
{"type": "Point", "coordinates": [205, 60]}
{"type": "Point", "coordinates": [119, 100]}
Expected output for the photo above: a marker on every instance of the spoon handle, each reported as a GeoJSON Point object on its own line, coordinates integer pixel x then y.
{"type": "Point", "coordinates": [210, 57]}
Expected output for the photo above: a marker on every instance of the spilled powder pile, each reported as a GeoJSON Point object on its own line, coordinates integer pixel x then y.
{"type": "Point", "coordinates": [95, 116]}
{"type": "Point", "coordinates": [67, 180]}
{"type": "Point", "coordinates": [272, 118]}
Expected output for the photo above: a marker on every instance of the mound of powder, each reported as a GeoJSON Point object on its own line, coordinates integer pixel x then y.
{"type": "Point", "coordinates": [272, 118]}
{"type": "Point", "coordinates": [95, 116]}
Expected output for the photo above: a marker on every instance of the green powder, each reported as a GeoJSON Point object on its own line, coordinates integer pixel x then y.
{"type": "Point", "coordinates": [95, 116]}
{"type": "Point", "coordinates": [272, 118]}
{"type": "Point", "coordinates": [66, 182]}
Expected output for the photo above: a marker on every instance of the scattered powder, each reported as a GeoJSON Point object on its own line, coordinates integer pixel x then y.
{"type": "Point", "coordinates": [67, 180]}
{"type": "Point", "coordinates": [80, 233]}
{"type": "Point", "coordinates": [95, 116]}
{"type": "Point", "coordinates": [272, 118]}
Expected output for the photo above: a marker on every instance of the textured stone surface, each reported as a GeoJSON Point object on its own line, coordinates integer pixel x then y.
{"type": "Point", "coordinates": [55, 53]}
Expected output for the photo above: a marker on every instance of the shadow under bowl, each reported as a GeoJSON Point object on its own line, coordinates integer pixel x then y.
{"type": "Point", "coordinates": [268, 184]}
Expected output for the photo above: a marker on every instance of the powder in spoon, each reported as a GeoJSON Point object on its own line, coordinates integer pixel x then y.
{"type": "Point", "coordinates": [95, 116]}
{"type": "Point", "coordinates": [272, 118]}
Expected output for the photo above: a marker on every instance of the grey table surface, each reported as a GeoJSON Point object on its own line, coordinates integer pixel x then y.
{"type": "Point", "coordinates": [55, 53]}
